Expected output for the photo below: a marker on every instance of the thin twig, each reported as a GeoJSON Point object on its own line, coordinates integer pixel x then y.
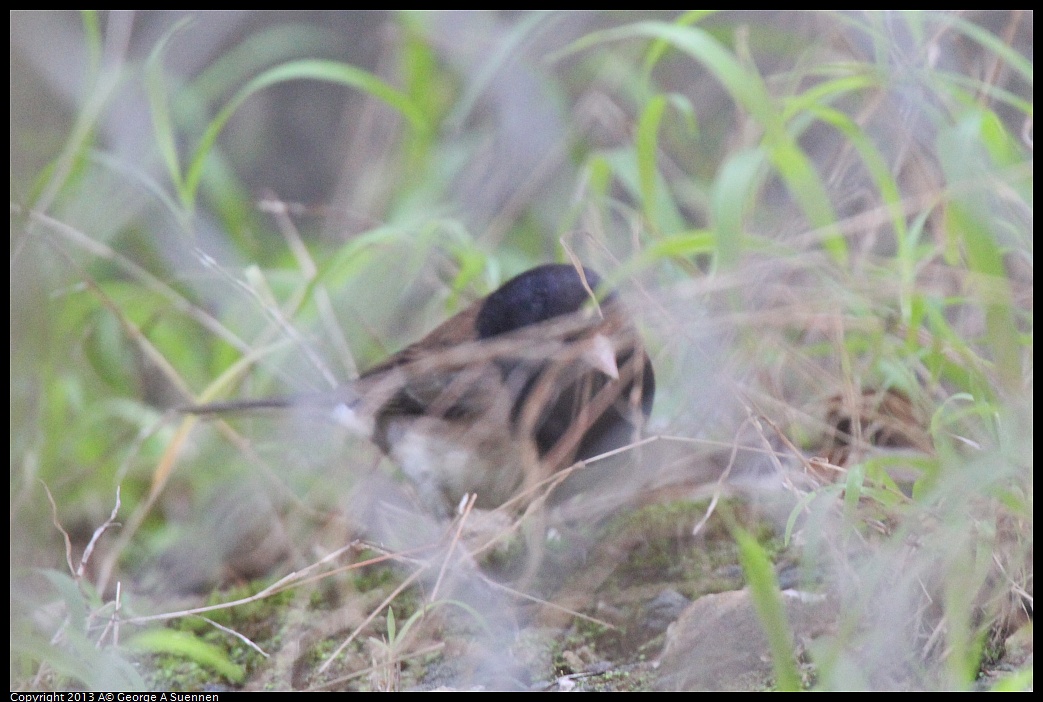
{"type": "Point", "coordinates": [57, 524]}
{"type": "Point", "coordinates": [452, 545]}
{"type": "Point", "coordinates": [111, 521]}
{"type": "Point", "coordinates": [236, 634]}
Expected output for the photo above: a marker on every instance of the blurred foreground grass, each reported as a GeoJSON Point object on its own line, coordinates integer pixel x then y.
{"type": "Point", "coordinates": [803, 209]}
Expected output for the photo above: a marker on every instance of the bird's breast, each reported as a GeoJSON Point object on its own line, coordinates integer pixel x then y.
{"type": "Point", "coordinates": [447, 460]}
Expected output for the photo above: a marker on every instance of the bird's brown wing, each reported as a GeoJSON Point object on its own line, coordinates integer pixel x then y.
{"type": "Point", "coordinates": [458, 329]}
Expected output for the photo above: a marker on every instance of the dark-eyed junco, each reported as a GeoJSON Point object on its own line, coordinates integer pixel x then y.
{"type": "Point", "coordinates": [519, 385]}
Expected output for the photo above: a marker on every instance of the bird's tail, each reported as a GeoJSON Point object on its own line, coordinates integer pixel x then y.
{"type": "Point", "coordinates": [306, 401]}
{"type": "Point", "coordinates": [229, 406]}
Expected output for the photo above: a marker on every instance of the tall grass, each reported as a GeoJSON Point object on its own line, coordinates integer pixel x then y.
{"type": "Point", "coordinates": [799, 207]}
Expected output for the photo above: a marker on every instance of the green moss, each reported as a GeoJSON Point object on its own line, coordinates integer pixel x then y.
{"type": "Point", "coordinates": [660, 545]}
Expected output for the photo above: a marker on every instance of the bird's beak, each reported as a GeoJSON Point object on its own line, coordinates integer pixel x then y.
{"type": "Point", "coordinates": [601, 355]}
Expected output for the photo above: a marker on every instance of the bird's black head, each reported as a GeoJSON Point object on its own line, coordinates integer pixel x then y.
{"type": "Point", "coordinates": [535, 296]}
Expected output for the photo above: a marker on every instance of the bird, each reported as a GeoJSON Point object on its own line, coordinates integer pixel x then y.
{"type": "Point", "coordinates": [540, 374]}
